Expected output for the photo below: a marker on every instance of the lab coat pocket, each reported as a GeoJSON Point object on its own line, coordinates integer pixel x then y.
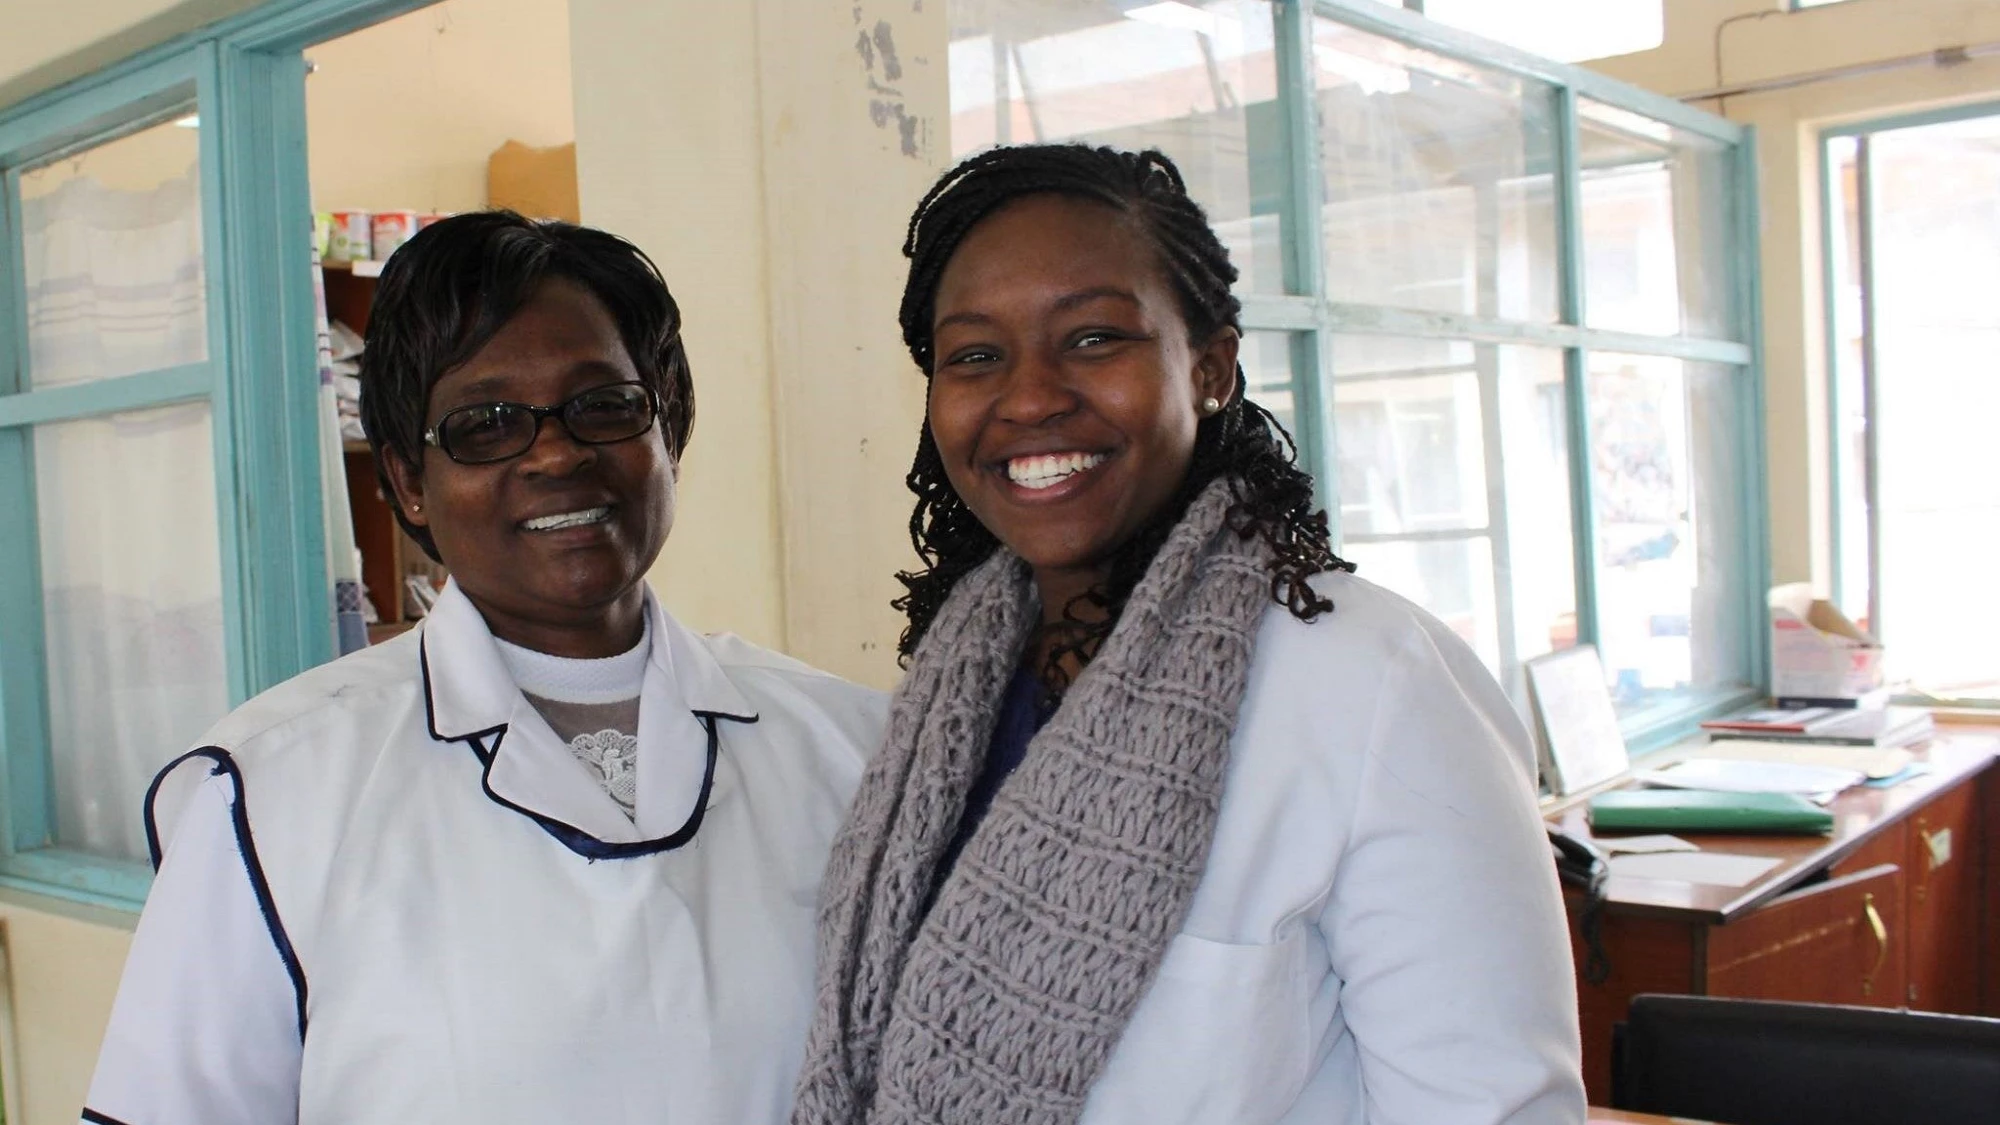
{"type": "Point", "coordinates": [1224, 1034]}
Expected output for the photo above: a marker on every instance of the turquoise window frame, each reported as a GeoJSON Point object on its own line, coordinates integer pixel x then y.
{"type": "Point", "coordinates": [1836, 467]}
{"type": "Point", "coordinates": [246, 76]}
{"type": "Point", "coordinates": [1313, 320]}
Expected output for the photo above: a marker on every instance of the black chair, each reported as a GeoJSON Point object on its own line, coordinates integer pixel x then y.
{"type": "Point", "coordinates": [1755, 1062]}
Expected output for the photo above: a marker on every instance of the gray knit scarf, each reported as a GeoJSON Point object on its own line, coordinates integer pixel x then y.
{"type": "Point", "coordinates": [1001, 1003]}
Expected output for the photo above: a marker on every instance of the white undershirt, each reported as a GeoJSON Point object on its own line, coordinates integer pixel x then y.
{"type": "Point", "coordinates": [593, 705]}
{"type": "Point", "coordinates": [565, 679]}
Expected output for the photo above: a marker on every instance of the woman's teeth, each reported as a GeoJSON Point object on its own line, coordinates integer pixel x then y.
{"type": "Point", "coordinates": [1047, 469]}
{"type": "Point", "coordinates": [568, 519]}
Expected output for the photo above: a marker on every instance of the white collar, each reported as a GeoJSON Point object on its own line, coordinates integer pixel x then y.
{"type": "Point", "coordinates": [471, 698]}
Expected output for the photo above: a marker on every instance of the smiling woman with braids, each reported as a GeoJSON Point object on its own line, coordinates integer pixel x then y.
{"type": "Point", "coordinates": [1177, 820]}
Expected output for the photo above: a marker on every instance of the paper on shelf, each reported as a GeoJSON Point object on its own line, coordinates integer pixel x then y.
{"type": "Point", "coordinates": [1752, 777]}
{"type": "Point", "coordinates": [1869, 761]}
{"type": "Point", "coordinates": [1643, 845]}
{"type": "Point", "coordinates": [1711, 868]}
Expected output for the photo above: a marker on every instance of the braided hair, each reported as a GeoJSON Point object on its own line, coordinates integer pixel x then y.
{"type": "Point", "coordinates": [1274, 497]}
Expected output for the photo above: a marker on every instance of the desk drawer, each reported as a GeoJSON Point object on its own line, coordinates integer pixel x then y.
{"type": "Point", "coordinates": [1840, 942]}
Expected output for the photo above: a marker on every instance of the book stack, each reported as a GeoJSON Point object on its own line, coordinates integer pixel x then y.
{"type": "Point", "coordinates": [1885, 726]}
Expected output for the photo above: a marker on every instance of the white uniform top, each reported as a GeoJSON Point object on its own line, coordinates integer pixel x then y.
{"type": "Point", "coordinates": [397, 897]}
{"type": "Point", "coordinates": [1378, 936]}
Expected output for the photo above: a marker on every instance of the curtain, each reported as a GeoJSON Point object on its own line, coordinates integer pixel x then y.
{"type": "Point", "coordinates": [126, 503]}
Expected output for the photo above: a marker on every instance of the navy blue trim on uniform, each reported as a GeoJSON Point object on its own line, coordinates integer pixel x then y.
{"type": "Point", "coordinates": [583, 843]}
{"type": "Point", "coordinates": [246, 846]}
{"type": "Point", "coordinates": [97, 1118]}
{"type": "Point", "coordinates": [430, 710]}
{"type": "Point", "coordinates": [568, 835]}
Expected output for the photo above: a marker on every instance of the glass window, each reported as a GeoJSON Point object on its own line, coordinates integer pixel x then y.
{"type": "Point", "coordinates": [1449, 453]}
{"type": "Point", "coordinates": [1439, 427]}
{"type": "Point", "coordinates": [1667, 480]}
{"type": "Point", "coordinates": [108, 450]}
{"type": "Point", "coordinates": [1852, 566]}
{"type": "Point", "coordinates": [1267, 359]}
{"type": "Point", "coordinates": [1438, 180]}
{"type": "Point", "coordinates": [1656, 227]}
{"type": "Point", "coordinates": [1917, 261]}
{"type": "Point", "coordinates": [132, 610]}
{"type": "Point", "coordinates": [1196, 81]}
{"type": "Point", "coordinates": [1564, 30]}
{"type": "Point", "coordinates": [111, 241]}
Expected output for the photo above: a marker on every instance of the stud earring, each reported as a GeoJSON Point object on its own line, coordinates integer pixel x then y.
{"type": "Point", "coordinates": [416, 507]}
{"type": "Point", "coordinates": [1209, 405]}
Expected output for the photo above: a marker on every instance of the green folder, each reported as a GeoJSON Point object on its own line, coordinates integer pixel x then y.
{"type": "Point", "coordinates": [1706, 810]}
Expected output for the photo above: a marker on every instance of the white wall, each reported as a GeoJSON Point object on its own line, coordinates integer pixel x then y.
{"type": "Point", "coordinates": [1715, 43]}
{"type": "Point", "coordinates": [769, 164]}
{"type": "Point", "coordinates": [403, 115]}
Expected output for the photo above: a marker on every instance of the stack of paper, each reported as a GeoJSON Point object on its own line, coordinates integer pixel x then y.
{"type": "Point", "coordinates": [1885, 726]}
{"type": "Point", "coordinates": [1820, 782]}
{"type": "Point", "coordinates": [1873, 762]}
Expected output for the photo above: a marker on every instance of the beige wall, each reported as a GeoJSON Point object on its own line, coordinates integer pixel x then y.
{"type": "Point", "coordinates": [1711, 44]}
{"type": "Point", "coordinates": [403, 115]}
{"type": "Point", "coordinates": [769, 163]}
{"type": "Point", "coordinates": [62, 963]}
{"type": "Point", "coordinates": [49, 42]}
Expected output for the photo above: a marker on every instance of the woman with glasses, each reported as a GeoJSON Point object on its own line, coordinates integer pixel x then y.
{"type": "Point", "coordinates": [549, 857]}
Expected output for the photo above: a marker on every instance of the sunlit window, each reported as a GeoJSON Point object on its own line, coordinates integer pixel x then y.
{"type": "Point", "coordinates": [1439, 381]}
{"type": "Point", "coordinates": [1564, 30]}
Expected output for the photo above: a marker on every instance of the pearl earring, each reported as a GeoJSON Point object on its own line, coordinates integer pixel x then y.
{"type": "Point", "coordinates": [1209, 405]}
{"type": "Point", "coordinates": [416, 507]}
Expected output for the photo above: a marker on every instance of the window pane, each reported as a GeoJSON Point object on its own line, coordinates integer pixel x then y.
{"type": "Point", "coordinates": [1267, 368]}
{"type": "Point", "coordinates": [1197, 81]}
{"type": "Point", "coordinates": [1850, 422]}
{"type": "Point", "coordinates": [132, 603]}
{"type": "Point", "coordinates": [1438, 180]}
{"type": "Point", "coordinates": [1453, 479]}
{"type": "Point", "coordinates": [1564, 30]}
{"type": "Point", "coordinates": [1668, 485]}
{"type": "Point", "coordinates": [111, 241]}
{"type": "Point", "coordinates": [1936, 226]}
{"type": "Point", "coordinates": [1656, 227]}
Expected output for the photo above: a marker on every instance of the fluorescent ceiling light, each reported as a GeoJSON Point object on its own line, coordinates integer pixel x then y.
{"type": "Point", "coordinates": [191, 121]}
{"type": "Point", "coordinates": [1174, 13]}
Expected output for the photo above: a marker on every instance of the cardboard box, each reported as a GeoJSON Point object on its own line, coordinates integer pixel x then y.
{"type": "Point", "coordinates": [538, 182]}
{"type": "Point", "coordinates": [1816, 652]}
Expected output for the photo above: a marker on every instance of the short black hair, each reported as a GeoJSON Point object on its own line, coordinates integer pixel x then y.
{"type": "Point", "coordinates": [450, 290]}
{"type": "Point", "coordinates": [1243, 442]}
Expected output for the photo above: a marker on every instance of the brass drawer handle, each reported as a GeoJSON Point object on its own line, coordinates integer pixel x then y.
{"type": "Point", "coordinates": [1874, 917]}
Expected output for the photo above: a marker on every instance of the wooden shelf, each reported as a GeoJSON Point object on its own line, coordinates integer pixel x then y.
{"type": "Point", "coordinates": [350, 292]}
{"type": "Point", "coordinates": [379, 633]}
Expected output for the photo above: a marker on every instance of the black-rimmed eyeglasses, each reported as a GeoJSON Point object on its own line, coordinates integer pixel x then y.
{"type": "Point", "coordinates": [486, 432]}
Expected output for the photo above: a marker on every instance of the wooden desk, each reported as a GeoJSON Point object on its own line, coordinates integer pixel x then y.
{"type": "Point", "coordinates": [1899, 907]}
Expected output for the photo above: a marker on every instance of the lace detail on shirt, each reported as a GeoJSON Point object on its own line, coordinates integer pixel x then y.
{"type": "Point", "coordinates": [613, 757]}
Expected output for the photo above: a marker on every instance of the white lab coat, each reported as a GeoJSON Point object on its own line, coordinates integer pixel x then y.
{"type": "Point", "coordinates": [1378, 936]}
{"type": "Point", "coordinates": [395, 897]}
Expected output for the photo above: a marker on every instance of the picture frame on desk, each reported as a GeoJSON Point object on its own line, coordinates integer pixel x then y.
{"type": "Point", "coordinates": [1576, 725]}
